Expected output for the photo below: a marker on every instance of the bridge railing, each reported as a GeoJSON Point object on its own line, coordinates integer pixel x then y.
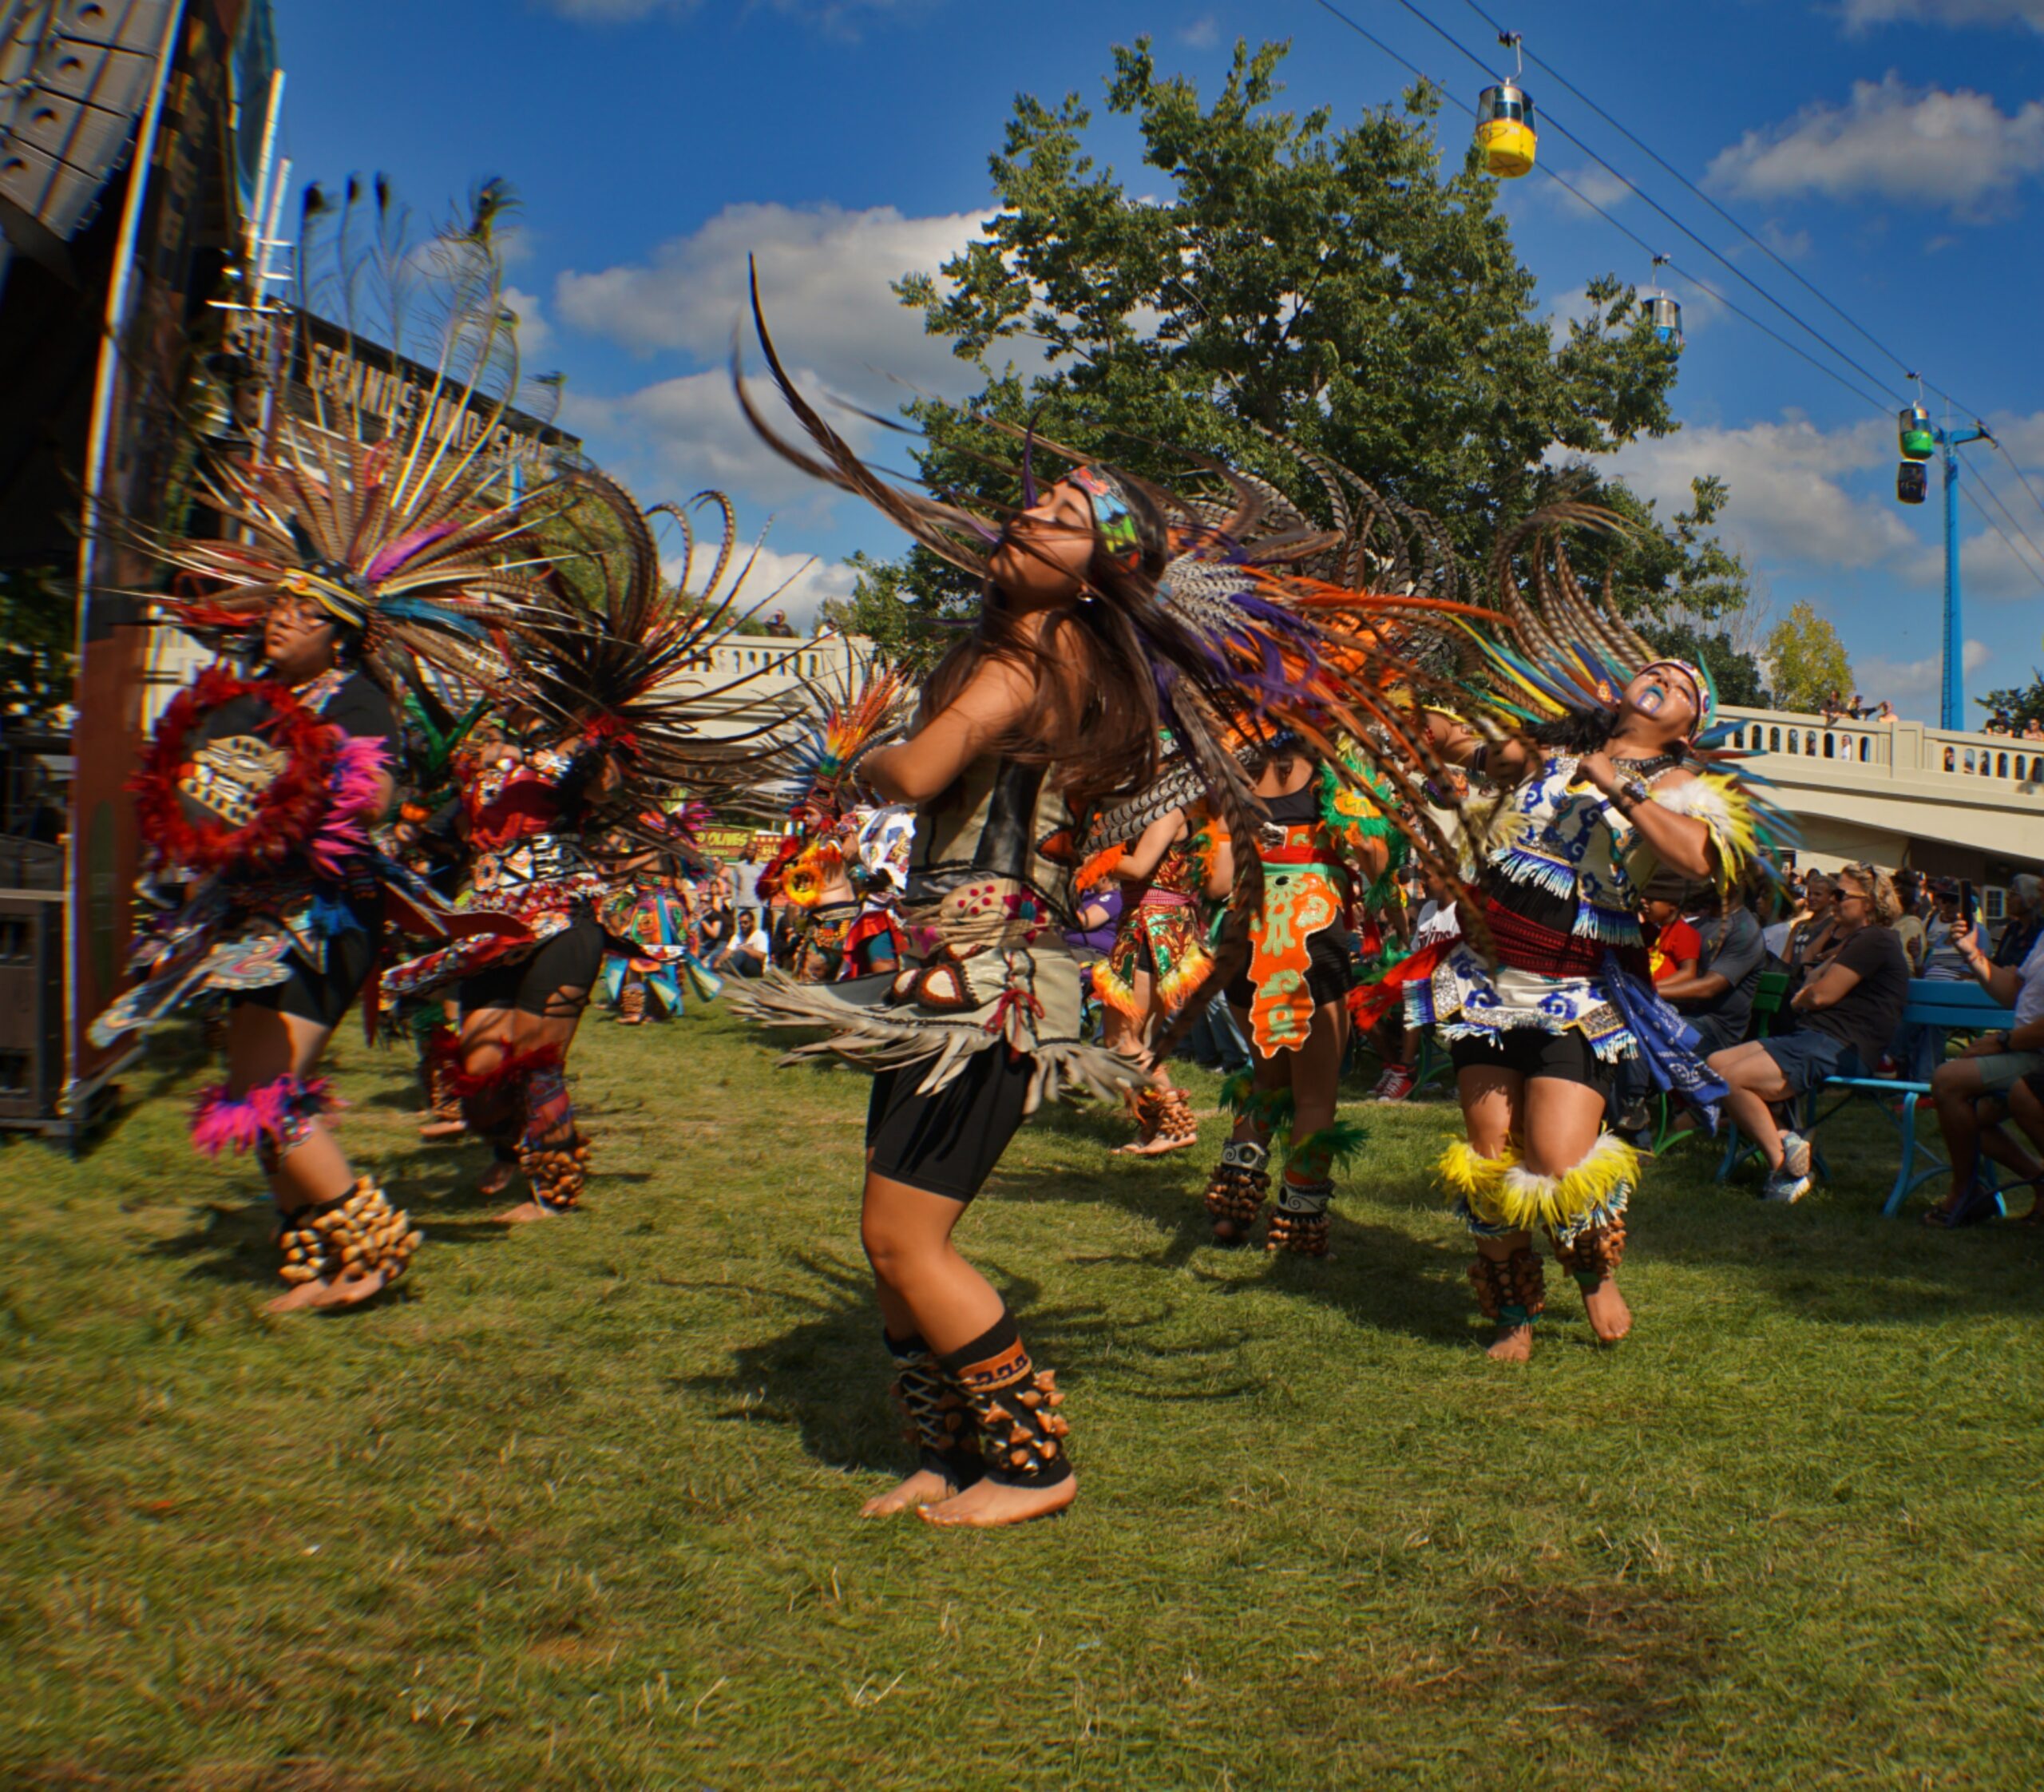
{"type": "Point", "coordinates": [1893, 750]}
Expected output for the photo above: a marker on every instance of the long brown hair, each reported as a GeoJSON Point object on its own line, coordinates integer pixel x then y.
{"type": "Point", "coordinates": [1095, 712]}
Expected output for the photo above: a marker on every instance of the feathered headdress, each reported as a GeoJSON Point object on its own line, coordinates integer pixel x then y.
{"type": "Point", "coordinates": [1235, 603]}
{"type": "Point", "coordinates": [858, 705]}
{"type": "Point", "coordinates": [381, 484]}
{"type": "Point", "coordinates": [608, 650]}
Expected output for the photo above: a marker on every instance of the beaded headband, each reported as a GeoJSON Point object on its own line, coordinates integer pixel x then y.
{"type": "Point", "coordinates": [1113, 515]}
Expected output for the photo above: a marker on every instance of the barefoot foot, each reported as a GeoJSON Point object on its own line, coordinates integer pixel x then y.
{"type": "Point", "coordinates": [1610, 1318]}
{"type": "Point", "coordinates": [924, 1488]}
{"type": "Point", "coordinates": [525, 1211]}
{"type": "Point", "coordinates": [1157, 1147]}
{"type": "Point", "coordinates": [1512, 1344]}
{"type": "Point", "coordinates": [987, 1504]}
{"type": "Point", "coordinates": [495, 1179]}
{"type": "Point", "coordinates": [443, 1129]}
{"type": "Point", "coordinates": [350, 1290]}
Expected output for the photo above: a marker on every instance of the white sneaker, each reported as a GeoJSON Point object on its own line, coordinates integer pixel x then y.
{"type": "Point", "coordinates": [1795, 1154]}
{"type": "Point", "coordinates": [1784, 1185]}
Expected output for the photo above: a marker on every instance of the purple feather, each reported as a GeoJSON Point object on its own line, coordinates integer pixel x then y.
{"type": "Point", "coordinates": [394, 554]}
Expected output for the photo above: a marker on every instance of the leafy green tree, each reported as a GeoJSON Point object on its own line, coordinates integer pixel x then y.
{"type": "Point", "coordinates": [2017, 706]}
{"type": "Point", "coordinates": [911, 610]}
{"type": "Point", "coordinates": [1735, 672]}
{"type": "Point", "coordinates": [1332, 285]}
{"type": "Point", "coordinates": [1806, 661]}
{"type": "Point", "coordinates": [38, 632]}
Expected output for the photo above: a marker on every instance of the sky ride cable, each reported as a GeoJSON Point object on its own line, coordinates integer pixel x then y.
{"type": "Point", "coordinates": [1647, 198]}
{"type": "Point", "coordinates": [1765, 248]}
{"type": "Point", "coordinates": [1883, 406]}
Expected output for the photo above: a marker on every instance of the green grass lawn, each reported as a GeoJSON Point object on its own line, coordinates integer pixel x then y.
{"type": "Point", "coordinates": [576, 1506]}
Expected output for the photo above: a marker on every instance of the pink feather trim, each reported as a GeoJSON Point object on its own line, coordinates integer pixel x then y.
{"type": "Point", "coordinates": [221, 1119]}
{"type": "Point", "coordinates": [354, 787]}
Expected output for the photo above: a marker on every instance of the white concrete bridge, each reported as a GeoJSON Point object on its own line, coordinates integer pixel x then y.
{"type": "Point", "coordinates": [1948, 802]}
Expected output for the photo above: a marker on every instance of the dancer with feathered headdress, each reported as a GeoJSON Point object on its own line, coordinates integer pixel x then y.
{"type": "Point", "coordinates": [833, 854]}
{"type": "Point", "coordinates": [351, 535]}
{"type": "Point", "coordinates": [1595, 749]}
{"type": "Point", "coordinates": [599, 724]}
{"type": "Point", "coordinates": [1053, 704]}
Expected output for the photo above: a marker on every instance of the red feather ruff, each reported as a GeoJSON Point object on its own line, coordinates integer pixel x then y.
{"type": "Point", "coordinates": [287, 815]}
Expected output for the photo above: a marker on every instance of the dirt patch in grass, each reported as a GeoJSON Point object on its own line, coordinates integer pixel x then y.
{"type": "Point", "coordinates": [1618, 1659]}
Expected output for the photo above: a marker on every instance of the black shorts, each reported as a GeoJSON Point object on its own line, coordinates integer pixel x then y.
{"type": "Point", "coordinates": [1330, 971]}
{"type": "Point", "coordinates": [320, 997]}
{"type": "Point", "coordinates": [569, 961]}
{"type": "Point", "coordinates": [947, 1143]}
{"type": "Point", "coordinates": [1566, 1057]}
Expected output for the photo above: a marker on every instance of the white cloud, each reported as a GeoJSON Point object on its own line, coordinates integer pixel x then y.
{"type": "Point", "coordinates": [1919, 146]}
{"type": "Point", "coordinates": [826, 277]}
{"type": "Point", "coordinates": [799, 584]}
{"type": "Point", "coordinates": [1203, 33]}
{"type": "Point", "coordinates": [1899, 680]}
{"type": "Point", "coordinates": [1865, 15]}
{"type": "Point", "coordinates": [1788, 500]}
{"type": "Point", "coordinates": [840, 17]}
{"type": "Point", "coordinates": [679, 436]}
{"type": "Point", "coordinates": [535, 334]}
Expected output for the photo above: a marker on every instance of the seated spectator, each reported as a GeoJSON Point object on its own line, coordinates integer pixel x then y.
{"type": "Point", "coordinates": [779, 626]}
{"type": "Point", "coordinates": [1857, 709]}
{"type": "Point", "coordinates": [753, 951]}
{"type": "Point", "coordinates": [1674, 946]}
{"type": "Point", "coordinates": [1971, 1090]}
{"type": "Point", "coordinates": [1942, 961]}
{"type": "Point", "coordinates": [1849, 1011]}
{"type": "Point", "coordinates": [1832, 705]}
{"type": "Point", "coordinates": [2034, 728]}
{"type": "Point", "coordinates": [2026, 1109]}
{"type": "Point", "coordinates": [2024, 921]}
{"type": "Point", "coordinates": [1909, 926]}
{"type": "Point", "coordinates": [1810, 941]}
{"type": "Point", "coordinates": [1716, 998]}
{"type": "Point", "coordinates": [1885, 715]}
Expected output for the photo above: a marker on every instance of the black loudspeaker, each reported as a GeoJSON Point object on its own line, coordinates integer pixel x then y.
{"type": "Point", "coordinates": [77, 75]}
{"type": "Point", "coordinates": [31, 981]}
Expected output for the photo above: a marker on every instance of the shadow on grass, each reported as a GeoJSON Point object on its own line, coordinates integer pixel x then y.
{"type": "Point", "coordinates": [826, 1375]}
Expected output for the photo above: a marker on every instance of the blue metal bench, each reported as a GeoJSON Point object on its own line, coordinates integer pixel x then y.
{"type": "Point", "coordinates": [1949, 1008]}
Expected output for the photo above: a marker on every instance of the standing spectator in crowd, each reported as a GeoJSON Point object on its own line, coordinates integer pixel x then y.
{"type": "Point", "coordinates": [2024, 921]}
{"type": "Point", "coordinates": [1971, 1090]}
{"type": "Point", "coordinates": [1849, 1011]}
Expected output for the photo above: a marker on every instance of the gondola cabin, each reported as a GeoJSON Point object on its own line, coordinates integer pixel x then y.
{"type": "Point", "coordinates": [1918, 441]}
{"type": "Point", "coordinates": [1505, 130]}
{"type": "Point", "coordinates": [1911, 486]}
{"type": "Point", "coordinates": [1666, 315]}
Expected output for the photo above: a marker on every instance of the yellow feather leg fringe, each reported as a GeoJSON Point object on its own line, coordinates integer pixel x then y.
{"type": "Point", "coordinates": [1476, 1180]}
{"type": "Point", "coordinates": [1523, 1200]}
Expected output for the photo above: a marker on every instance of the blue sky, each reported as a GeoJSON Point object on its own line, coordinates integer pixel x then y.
{"type": "Point", "coordinates": [1887, 149]}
